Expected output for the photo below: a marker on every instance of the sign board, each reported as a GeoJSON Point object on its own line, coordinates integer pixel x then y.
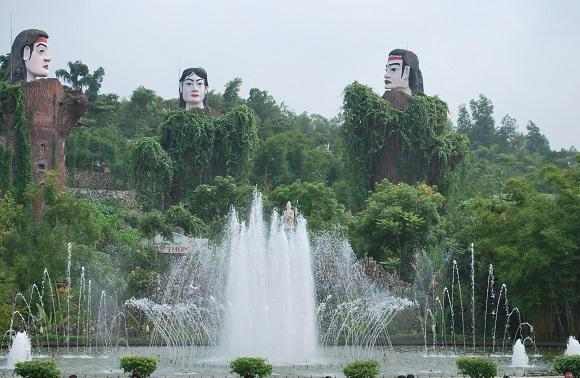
{"type": "Point", "coordinates": [180, 244]}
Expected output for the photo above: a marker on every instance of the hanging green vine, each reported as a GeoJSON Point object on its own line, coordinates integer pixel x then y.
{"type": "Point", "coordinates": [188, 138]}
{"type": "Point", "coordinates": [417, 140]}
{"type": "Point", "coordinates": [201, 146]}
{"type": "Point", "coordinates": [235, 142]}
{"type": "Point", "coordinates": [12, 103]}
{"type": "Point", "coordinates": [5, 170]}
{"type": "Point", "coordinates": [152, 171]}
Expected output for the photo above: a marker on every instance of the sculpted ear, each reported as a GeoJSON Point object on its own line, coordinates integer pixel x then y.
{"type": "Point", "coordinates": [406, 73]}
{"type": "Point", "coordinates": [181, 87]}
{"type": "Point", "coordinates": [26, 52]}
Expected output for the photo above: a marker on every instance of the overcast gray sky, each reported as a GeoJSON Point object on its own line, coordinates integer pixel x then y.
{"type": "Point", "coordinates": [523, 55]}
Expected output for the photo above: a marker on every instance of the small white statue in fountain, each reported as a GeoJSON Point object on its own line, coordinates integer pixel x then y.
{"type": "Point", "coordinates": [192, 289]}
{"type": "Point", "coordinates": [288, 217]}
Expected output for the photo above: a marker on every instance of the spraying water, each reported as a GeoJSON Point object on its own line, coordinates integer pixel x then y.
{"type": "Point", "coordinates": [68, 295]}
{"type": "Point", "coordinates": [472, 295]}
{"type": "Point", "coordinates": [573, 347]}
{"type": "Point", "coordinates": [519, 355]}
{"type": "Point", "coordinates": [20, 350]}
{"type": "Point", "coordinates": [268, 290]}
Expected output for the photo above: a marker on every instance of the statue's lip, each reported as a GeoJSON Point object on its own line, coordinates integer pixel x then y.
{"type": "Point", "coordinates": [387, 82]}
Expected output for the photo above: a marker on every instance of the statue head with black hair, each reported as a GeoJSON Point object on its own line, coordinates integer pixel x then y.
{"type": "Point", "coordinates": [402, 72]}
{"type": "Point", "coordinates": [193, 88]}
{"type": "Point", "coordinates": [29, 56]}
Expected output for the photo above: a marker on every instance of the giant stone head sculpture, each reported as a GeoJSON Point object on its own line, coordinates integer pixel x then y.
{"type": "Point", "coordinates": [193, 88]}
{"type": "Point", "coordinates": [402, 72]}
{"type": "Point", "coordinates": [29, 56]}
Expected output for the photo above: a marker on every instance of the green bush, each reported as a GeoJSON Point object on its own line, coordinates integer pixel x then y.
{"type": "Point", "coordinates": [563, 364]}
{"type": "Point", "coordinates": [476, 367]}
{"type": "Point", "coordinates": [362, 369]}
{"type": "Point", "coordinates": [251, 367]}
{"type": "Point", "coordinates": [37, 369]}
{"type": "Point", "coordinates": [139, 366]}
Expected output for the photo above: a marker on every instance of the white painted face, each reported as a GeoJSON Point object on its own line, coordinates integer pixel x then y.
{"type": "Point", "coordinates": [36, 62]}
{"type": "Point", "coordinates": [397, 78]}
{"type": "Point", "coordinates": [193, 91]}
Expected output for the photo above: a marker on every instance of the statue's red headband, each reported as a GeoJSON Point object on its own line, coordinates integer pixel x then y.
{"type": "Point", "coordinates": [395, 57]}
{"type": "Point", "coordinates": [41, 40]}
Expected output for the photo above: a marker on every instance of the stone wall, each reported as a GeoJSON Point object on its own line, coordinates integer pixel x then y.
{"type": "Point", "coordinates": [94, 180]}
{"type": "Point", "coordinates": [127, 198]}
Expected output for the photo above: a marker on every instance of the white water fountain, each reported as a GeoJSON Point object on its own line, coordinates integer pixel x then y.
{"type": "Point", "coordinates": [20, 350]}
{"type": "Point", "coordinates": [307, 290]}
{"type": "Point", "coordinates": [519, 355]}
{"type": "Point", "coordinates": [270, 291]}
{"type": "Point", "coordinates": [501, 322]}
{"type": "Point", "coordinates": [40, 311]}
{"type": "Point", "coordinates": [266, 291]}
{"type": "Point", "coordinates": [573, 347]}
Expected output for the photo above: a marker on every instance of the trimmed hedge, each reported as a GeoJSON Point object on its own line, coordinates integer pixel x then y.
{"type": "Point", "coordinates": [362, 369]}
{"type": "Point", "coordinates": [37, 369]}
{"type": "Point", "coordinates": [476, 367]}
{"type": "Point", "coordinates": [139, 366]}
{"type": "Point", "coordinates": [251, 367]}
{"type": "Point", "coordinates": [562, 364]}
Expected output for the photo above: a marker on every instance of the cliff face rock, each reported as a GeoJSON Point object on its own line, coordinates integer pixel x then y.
{"type": "Point", "coordinates": [53, 110]}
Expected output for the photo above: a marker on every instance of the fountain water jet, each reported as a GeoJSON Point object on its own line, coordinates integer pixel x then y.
{"type": "Point", "coordinates": [42, 314]}
{"type": "Point", "coordinates": [446, 308]}
{"type": "Point", "coordinates": [573, 347]}
{"type": "Point", "coordinates": [20, 350]}
{"type": "Point", "coordinates": [519, 355]}
{"type": "Point", "coordinates": [271, 291]}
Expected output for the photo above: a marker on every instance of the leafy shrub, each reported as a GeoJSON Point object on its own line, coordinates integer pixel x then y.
{"type": "Point", "coordinates": [251, 367]}
{"type": "Point", "coordinates": [139, 366]}
{"type": "Point", "coordinates": [476, 367]}
{"type": "Point", "coordinates": [562, 364]}
{"type": "Point", "coordinates": [362, 369]}
{"type": "Point", "coordinates": [37, 369]}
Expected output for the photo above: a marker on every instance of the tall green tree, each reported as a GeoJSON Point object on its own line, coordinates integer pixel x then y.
{"type": "Point", "coordinates": [103, 111]}
{"type": "Point", "coordinates": [211, 202]}
{"type": "Point", "coordinates": [153, 172]}
{"type": "Point", "coordinates": [5, 67]}
{"type": "Point", "coordinates": [286, 157]}
{"type": "Point", "coordinates": [508, 136]}
{"type": "Point", "coordinates": [79, 77]}
{"type": "Point", "coordinates": [483, 129]}
{"type": "Point", "coordinates": [316, 201]}
{"type": "Point", "coordinates": [86, 147]}
{"type": "Point", "coordinates": [272, 118]}
{"type": "Point", "coordinates": [231, 96]}
{"type": "Point", "coordinates": [533, 240]}
{"type": "Point", "coordinates": [397, 219]}
{"type": "Point", "coordinates": [535, 140]}
{"type": "Point", "coordinates": [464, 124]}
{"type": "Point", "coordinates": [142, 114]}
